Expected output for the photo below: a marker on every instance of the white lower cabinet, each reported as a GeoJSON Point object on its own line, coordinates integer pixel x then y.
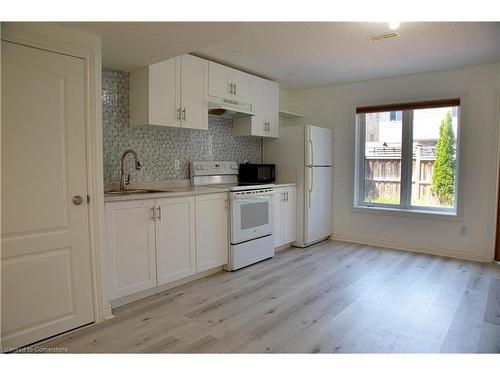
{"type": "Point", "coordinates": [175, 238]}
{"type": "Point", "coordinates": [212, 235]}
{"type": "Point", "coordinates": [153, 242]}
{"type": "Point", "coordinates": [285, 215]}
{"type": "Point", "coordinates": [130, 245]}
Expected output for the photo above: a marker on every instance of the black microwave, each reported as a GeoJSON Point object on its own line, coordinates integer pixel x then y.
{"type": "Point", "coordinates": [257, 173]}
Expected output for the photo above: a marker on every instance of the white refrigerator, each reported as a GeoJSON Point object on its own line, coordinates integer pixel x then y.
{"type": "Point", "coordinates": [303, 154]}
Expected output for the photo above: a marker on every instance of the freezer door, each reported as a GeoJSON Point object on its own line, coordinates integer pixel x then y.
{"type": "Point", "coordinates": [318, 147]}
{"type": "Point", "coordinates": [317, 203]}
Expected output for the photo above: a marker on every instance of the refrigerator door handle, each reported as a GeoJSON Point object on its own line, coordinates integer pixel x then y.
{"type": "Point", "coordinates": [311, 184]}
{"type": "Point", "coordinates": [311, 152]}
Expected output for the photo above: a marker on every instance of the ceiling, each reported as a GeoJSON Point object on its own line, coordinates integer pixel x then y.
{"type": "Point", "coordinates": [131, 45]}
{"type": "Point", "coordinates": [303, 54]}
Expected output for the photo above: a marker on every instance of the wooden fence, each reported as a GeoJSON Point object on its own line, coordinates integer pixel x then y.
{"type": "Point", "coordinates": [383, 175]}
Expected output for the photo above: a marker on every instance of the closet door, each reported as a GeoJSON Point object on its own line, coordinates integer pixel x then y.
{"type": "Point", "coordinates": [46, 271]}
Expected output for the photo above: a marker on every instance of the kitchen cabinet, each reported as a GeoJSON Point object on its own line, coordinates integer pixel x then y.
{"type": "Point", "coordinates": [130, 246]}
{"type": "Point", "coordinates": [175, 238]}
{"type": "Point", "coordinates": [212, 236]}
{"type": "Point", "coordinates": [285, 215]}
{"type": "Point", "coordinates": [265, 104]}
{"type": "Point", "coordinates": [171, 93]}
{"type": "Point", "coordinates": [228, 83]}
{"type": "Point", "coordinates": [152, 242]}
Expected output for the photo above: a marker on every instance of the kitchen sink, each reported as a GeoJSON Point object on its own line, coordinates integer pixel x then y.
{"type": "Point", "coordinates": [136, 191]}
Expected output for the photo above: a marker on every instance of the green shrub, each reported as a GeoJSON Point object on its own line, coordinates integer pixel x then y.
{"type": "Point", "coordinates": [443, 177]}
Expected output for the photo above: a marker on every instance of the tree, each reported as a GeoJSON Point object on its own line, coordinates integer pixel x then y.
{"type": "Point", "coordinates": [443, 177]}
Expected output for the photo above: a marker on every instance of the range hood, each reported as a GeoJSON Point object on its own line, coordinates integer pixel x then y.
{"type": "Point", "coordinates": [228, 108]}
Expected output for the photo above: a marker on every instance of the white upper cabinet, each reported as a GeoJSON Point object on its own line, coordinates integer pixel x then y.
{"type": "Point", "coordinates": [171, 93]}
{"type": "Point", "coordinates": [228, 83]}
{"type": "Point", "coordinates": [194, 92]}
{"type": "Point", "coordinates": [272, 101]}
{"type": "Point", "coordinates": [265, 104]}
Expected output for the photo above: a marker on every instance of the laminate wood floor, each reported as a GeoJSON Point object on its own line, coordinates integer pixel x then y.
{"type": "Point", "coordinates": [334, 297]}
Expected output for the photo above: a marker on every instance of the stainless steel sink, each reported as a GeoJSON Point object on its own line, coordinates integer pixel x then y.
{"type": "Point", "coordinates": [136, 191]}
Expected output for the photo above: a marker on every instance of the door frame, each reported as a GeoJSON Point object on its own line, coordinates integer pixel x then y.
{"type": "Point", "coordinates": [72, 42]}
{"type": "Point", "coordinates": [496, 245]}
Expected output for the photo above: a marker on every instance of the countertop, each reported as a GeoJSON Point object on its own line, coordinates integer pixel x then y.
{"type": "Point", "coordinates": [169, 192]}
{"type": "Point", "coordinates": [177, 191]}
{"type": "Point", "coordinates": [285, 184]}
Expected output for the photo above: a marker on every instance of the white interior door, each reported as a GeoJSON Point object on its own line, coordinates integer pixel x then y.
{"type": "Point", "coordinates": [318, 146]}
{"type": "Point", "coordinates": [194, 92]}
{"type": "Point", "coordinates": [318, 209]}
{"type": "Point", "coordinates": [46, 271]}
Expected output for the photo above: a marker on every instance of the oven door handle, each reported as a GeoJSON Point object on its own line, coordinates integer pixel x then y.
{"type": "Point", "coordinates": [254, 199]}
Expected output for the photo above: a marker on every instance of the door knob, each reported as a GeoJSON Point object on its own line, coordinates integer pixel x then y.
{"type": "Point", "coordinates": [77, 200]}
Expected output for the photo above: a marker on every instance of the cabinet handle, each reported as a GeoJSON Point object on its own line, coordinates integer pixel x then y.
{"type": "Point", "coordinates": [178, 113]}
{"type": "Point", "coordinates": [184, 114]}
{"type": "Point", "coordinates": [153, 216]}
{"type": "Point", "coordinates": [159, 213]}
{"type": "Point", "coordinates": [235, 89]}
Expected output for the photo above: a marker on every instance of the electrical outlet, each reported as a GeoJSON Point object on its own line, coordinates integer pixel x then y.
{"type": "Point", "coordinates": [177, 165]}
{"type": "Point", "coordinates": [463, 230]}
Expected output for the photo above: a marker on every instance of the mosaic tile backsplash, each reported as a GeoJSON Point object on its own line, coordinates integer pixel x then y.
{"type": "Point", "coordinates": [159, 147]}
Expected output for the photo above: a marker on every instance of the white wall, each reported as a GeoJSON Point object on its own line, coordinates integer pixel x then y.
{"type": "Point", "coordinates": [284, 99]}
{"type": "Point", "coordinates": [333, 106]}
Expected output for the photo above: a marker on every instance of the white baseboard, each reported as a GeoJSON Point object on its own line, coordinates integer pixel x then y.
{"type": "Point", "coordinates": [478, 256]}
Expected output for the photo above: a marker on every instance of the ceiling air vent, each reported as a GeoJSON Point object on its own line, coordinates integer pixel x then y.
{"type": "Point", "coordinates": [384, 36]}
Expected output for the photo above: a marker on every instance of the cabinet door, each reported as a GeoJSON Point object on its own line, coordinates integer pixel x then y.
{"type": "Point", "coordinates": [218, 80]}
{"type": "Point", "coordinates": [258, 106]}
{"type": "Point", "coordinates": [272, 108]}
{"type": "Point", "coordinates": [241, 82]}
{"type": "Point", "coordinates": [194, 92]}
{"type": "Point", "coordinates": [278, 217]}
{"type": "Point", "coordinates": [164, 93]}
{"type": "Point", "coordinates": [212, 245]}
{"type": "Point", "coordinates": [130, 240]}
{"type": "Point", "coordinates": [290, 215]}
{"type": "Point", "coordinates": [175, 238]}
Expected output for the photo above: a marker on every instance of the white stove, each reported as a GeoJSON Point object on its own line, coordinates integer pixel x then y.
{"type": "Point", "coordinates": [251, 221]}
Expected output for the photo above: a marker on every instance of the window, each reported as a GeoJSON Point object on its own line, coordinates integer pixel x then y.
{"type": "Point", "coordinates": [407, 156]}
{"type": "Point", "coordinates": [396, 115]}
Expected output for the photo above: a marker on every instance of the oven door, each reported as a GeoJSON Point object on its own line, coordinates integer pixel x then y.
{"type": "Point", "coordinates": [252, 215]}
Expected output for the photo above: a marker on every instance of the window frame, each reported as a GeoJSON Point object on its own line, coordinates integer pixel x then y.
{"type": "Point", "coordinates": [405, 207]}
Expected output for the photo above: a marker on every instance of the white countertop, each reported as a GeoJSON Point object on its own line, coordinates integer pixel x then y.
{"type": "Point", "coordinates": [177, 191]}
{"type": "Point", "coordinates": [284, 184]}
{"type": "Point", "coordinates": [169, 192]}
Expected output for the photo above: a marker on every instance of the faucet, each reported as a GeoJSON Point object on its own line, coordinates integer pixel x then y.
{"type": "Point", "coordinates": [123, 181]}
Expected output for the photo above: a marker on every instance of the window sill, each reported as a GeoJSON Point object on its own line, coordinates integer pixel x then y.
{"type": "Point", "coordinates": [410, 213]}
